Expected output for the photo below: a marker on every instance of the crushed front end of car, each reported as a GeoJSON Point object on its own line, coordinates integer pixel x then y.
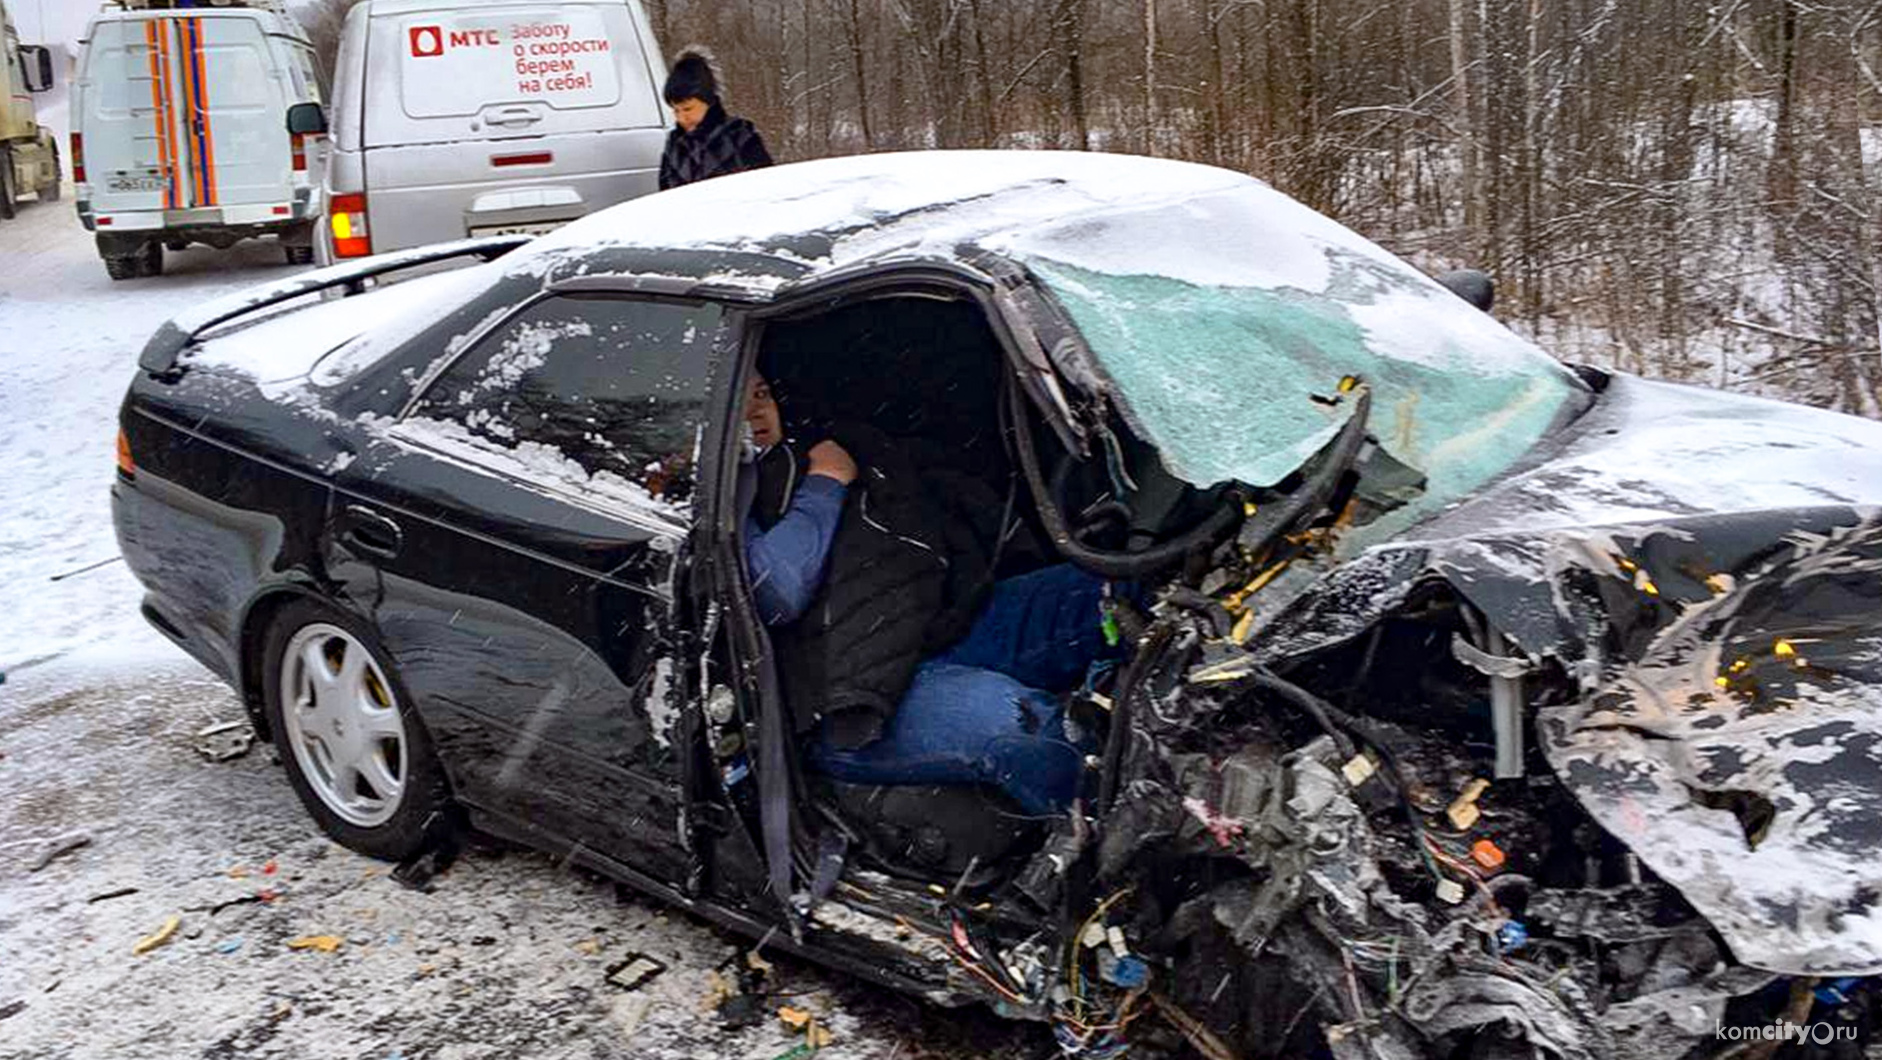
{"type": "Point", "coordinates": [1307, 843]}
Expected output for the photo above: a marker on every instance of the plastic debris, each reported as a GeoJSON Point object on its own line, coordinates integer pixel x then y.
{"type": "Point", "coordinates": [635, 972]}
{"type": "Point", "coordinates": [63, 845]}
{"type": "Point", "coordinates": [225, 740]}
{"type": "Point", "coordinates": [589, 947]}
{"type": "Point", "coordinates": [1487, 854]}
{"type": "Point", "coordinates": [1512, 935]}
{"type": "Point", "coordinates": [1463, 811]}
{"type": "Point", "coordinates": [815, 1036]}
{"type": "Point", "coordinates": [227, 946]}
{"type": "Point", "coordinates": [1127, 972]}
{"type": "Point", "coordinates": [11, 1009]}
{"type": "Point", "coordinates": [1093, 935]}
{"type": "Point", "coordinates": [269, 868]}
{"type": "Point", "coordinates": [1115, 936]}
{"type": "Point", "coordinates": [238, 872]}
{"type": "Point", "coordinates": [162, 935]}
{"type": "Point", "coordinates": [323, 943]}
{"type": "Point", "coordinates": [1450, 892]}
{"type": "Point", "coordinates": [1358, 770]}
{"type": "Point", "coordinates": [1836, 992]}
{"type": "Point", "coordinates": [1222, 827]}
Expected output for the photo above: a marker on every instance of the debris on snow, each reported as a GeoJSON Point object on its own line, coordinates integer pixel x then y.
{"type": "Point", "coordinates": [162, 935]}
{"type": "Point", "coordinates": [59, 847]}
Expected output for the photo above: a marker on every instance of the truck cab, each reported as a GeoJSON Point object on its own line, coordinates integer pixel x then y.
{"type": "Point", "coordinates": [29, 156]}
{"type": "Point", "coordinates": [195, 123]}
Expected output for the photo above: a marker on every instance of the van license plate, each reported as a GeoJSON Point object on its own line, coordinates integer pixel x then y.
{"type": "Point", "coordinates": [125, 182]}
{"type": "Point", "coordinates": [534, 229]}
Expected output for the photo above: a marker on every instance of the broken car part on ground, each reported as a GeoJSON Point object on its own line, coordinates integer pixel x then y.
{"type": "Point", "coordinates": [1477, 707]}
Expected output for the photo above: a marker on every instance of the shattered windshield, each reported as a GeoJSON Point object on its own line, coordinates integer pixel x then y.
{"type": "Point", "coordinates": [1224, 355]}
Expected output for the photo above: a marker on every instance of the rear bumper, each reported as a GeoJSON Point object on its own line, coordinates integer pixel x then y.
{"type": "Point", "coordinates": [139, 520]}
{"type": "Point", "coordinates": [255, 218]}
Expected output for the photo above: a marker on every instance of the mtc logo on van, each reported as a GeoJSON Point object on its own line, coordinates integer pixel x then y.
{"type": "Point", "coordinates": [428, 41]}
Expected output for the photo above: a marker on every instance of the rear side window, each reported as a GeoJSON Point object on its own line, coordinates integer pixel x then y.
{"type": "Point", "coordinates": [587, 394]}
{"type": "Point", "coordinates": [454, 63]}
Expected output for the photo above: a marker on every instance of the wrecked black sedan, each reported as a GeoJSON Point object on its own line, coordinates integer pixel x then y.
{"type": "Point", "coordinates": [1479, 706]}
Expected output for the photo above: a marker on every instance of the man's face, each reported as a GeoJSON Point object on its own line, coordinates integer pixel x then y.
{"type": "Point", "coordinates": [688, 113]}
{"type": "Point", "coordinates": [761, 411]}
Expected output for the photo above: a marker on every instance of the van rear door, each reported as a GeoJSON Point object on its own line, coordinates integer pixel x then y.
{"type": "Point", "coordinates": [183, 113]}
{"type": "Point", "coordinates": [503, 117]}
{"type": "Point", "coordinates": [235, 110]}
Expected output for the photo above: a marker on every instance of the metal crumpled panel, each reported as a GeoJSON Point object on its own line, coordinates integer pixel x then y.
{"type": "Point", "coordinates": [1740, 757]}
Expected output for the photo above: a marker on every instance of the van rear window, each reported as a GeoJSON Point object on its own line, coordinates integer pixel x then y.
{"type": "Point", "coordinates": [456, 63]}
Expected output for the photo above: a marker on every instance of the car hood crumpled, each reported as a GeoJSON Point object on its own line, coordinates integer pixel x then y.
{"type": "Point", "coordinates": [1707, 569]}
{"type": "Point", "coordinates": [1741, 757]}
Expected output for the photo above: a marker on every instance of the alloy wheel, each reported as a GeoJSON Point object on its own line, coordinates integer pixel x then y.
{"type": "Point", "coordinates": [343, 724]}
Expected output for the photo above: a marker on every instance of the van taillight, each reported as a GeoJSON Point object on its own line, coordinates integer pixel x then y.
{"type": "Point", "coordinates": [126, 466]}
{"type": "Point", "coordinates": [346, 214]}
{"type": "Point", "coordinates": [297, 143]}
{"type": "Point", "coordinates": [78, 158]}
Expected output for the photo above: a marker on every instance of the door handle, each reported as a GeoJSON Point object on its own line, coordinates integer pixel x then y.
{"type": "Point", "coordinates": [514, 116]}
{"type": "Point", "coordinates": [365, 530]}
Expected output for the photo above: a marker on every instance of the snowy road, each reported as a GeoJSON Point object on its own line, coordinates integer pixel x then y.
{"type": "Point", "coordinates": [508, 957]}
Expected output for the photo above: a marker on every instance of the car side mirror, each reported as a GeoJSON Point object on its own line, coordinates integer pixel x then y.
{"type": "Point", "coordinates": [1473, 286]}
{"type": "Point", "coordinates": [307, 119]}
{"type": "Point", "coordinates": [37, 61]}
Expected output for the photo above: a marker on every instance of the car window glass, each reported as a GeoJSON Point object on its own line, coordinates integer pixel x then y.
{"type": "Point", "coordinates": [601, 397]}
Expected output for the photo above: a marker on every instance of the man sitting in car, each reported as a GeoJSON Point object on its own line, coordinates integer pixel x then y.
{"type": "Point", "coordinates": [902, 660]}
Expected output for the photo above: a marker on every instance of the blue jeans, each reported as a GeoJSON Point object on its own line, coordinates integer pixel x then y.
{"type": "Point", "coordinates": [986, 710]}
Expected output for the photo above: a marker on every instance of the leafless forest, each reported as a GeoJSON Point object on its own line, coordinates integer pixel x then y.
{"type": "Point", "coordinates": [1674, 187]}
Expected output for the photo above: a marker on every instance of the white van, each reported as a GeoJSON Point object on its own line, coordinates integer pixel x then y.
{"type": "Point", "coordinates": [180, 131]}
{"type": "Point", "coordinates": [455, 118]}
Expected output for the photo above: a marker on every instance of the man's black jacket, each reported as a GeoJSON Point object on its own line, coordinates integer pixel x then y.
{"type": "Point", "coordinates": [906, 575]}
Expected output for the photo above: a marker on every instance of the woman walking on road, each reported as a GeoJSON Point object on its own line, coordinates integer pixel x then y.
{"type": "Point", "coordinates": [706, 142]}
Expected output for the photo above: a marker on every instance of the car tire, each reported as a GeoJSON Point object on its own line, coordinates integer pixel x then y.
{"type": "Point", "coordinates": [8, 196]}
{"type": "Point", "coordinates": [124, 266]}
{"type": "Point", "coordinates": [152, 255]}
{"type": "Point", "coordinates": [354, 747]}
{"type": "Point", "coordinates": [298, 254]}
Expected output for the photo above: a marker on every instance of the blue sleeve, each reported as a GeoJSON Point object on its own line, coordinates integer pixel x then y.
{"type": "Point", "coordinates": [786, 562]}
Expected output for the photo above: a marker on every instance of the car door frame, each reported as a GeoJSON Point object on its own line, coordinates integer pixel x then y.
{"type": "Point", "coordinates": [757, 688]}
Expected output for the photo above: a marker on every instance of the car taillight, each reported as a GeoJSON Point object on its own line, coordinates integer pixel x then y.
{"type": "Point", "coordinates": [297, 143]}
{"type": "Point", "coordinates": [347, 216]}
{"type": "Point", "coordinates": [126, 466]}
{"type": "Point", "coordinates": [78, 158]}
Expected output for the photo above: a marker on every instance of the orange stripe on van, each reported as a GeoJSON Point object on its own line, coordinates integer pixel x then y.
{"type": "Point", "coordinates": [206, 135]}
{"type": "Point", "coordinates": [171, 152]}
{"type": "Point", "coordinates": [157, 112]}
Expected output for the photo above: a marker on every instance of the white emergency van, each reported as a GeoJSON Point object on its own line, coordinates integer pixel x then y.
{"type": "Point", "coordinates": [455, 118]}
{"type": "Point", "coordinates": [195, 121]}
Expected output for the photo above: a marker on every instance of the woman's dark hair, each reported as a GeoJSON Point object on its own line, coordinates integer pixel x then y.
{"type": "Point", "coordinates": [695, 76]}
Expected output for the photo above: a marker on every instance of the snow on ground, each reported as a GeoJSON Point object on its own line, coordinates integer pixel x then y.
{"type": "Point", "coordinates": [69, 339]}
{"type": "Point", "coordinates": [507, 957]}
